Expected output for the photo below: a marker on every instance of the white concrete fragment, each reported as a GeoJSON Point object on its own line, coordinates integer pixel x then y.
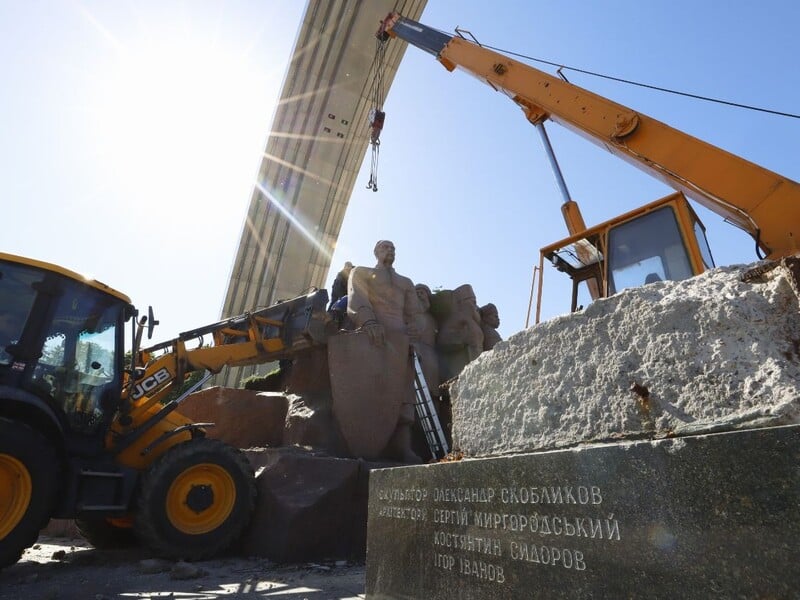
{"type": "Point", "coordinates": [713, 352]}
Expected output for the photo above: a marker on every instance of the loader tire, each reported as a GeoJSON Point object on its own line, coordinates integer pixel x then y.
{"type": "Point", "coordinates": [104, 535]}
{"type": "Point", "coordinates": [195, 501]}
{"type": "Point", "coordinates": [29, 483]}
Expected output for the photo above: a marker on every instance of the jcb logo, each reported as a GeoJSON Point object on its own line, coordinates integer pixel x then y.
{"type": "Point", "coordinates": [150, 383]}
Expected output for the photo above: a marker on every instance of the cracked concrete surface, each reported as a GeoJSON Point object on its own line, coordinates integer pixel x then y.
{"type": "Point", "coordinates": [670, 358]}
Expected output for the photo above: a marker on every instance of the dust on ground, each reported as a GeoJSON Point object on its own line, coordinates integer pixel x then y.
{"type": "Point", "coordinates": [67, 569]}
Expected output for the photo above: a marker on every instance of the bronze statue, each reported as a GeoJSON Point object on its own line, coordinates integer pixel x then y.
{"type": "Point", "coordinates": [380, 299]}
{"type": "Point", "coordinates": [460, 338]}
{"type": "Point", "coordinates": [425, 340]}
{"type": "Point", "coordinates": [490, 321]}
{"type": "Point", "coordinates": [384, 305]}
{"type": "Point", "coordinates": [426, 328]}
{"type": "Point", "coordinates": [462, 327]}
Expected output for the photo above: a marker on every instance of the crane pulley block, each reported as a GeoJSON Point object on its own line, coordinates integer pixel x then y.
{"type": "Point", "coordinates": [376, 119]}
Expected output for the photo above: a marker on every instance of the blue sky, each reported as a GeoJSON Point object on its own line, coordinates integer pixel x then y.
{"type": "Point", "coordinates": [131, 132]}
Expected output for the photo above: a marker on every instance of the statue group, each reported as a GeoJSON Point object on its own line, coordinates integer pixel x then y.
{"type": "Point", "coordinates": [385, 314]}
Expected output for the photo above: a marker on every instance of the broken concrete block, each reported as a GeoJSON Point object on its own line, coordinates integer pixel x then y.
{"type": "Point", "coordinates": [242, 418]}
{"type": "Point", "coordinates": [705, 354]}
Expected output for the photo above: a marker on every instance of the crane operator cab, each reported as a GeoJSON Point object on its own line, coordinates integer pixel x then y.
{"type": "Point", "coordinates": [61, 343]}
{"type": "Point", "coordinates": [663, 240]}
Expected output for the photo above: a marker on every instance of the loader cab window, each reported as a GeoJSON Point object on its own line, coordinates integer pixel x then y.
{"type": "Point", "coordinates": [10, 332]}
{"type": "Point", "coordinates": [646, 249]}
{"type": "Point", "coordinates": [16, 302]}
{"type": "Point", "coordinates": [702, 242]}
{"type": "Point", "coordinates": [60, 339]}
{"type": "Point", "coordinates": [79, 355]}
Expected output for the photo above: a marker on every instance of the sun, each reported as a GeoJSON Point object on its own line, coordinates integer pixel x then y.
{"type": "Point", "coordinates": [175, 117]}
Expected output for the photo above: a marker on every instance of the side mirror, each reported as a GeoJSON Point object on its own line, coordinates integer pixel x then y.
{"type": "Point", "coordinates": [151, 322]}
{"type": "Point", "coordinates": [138, 373]}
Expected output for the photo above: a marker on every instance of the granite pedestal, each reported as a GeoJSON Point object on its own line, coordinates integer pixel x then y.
{"type": "Point", "coordinates": [705, 516]}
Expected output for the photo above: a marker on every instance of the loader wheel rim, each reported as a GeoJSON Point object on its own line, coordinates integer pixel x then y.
{"type": "Point", "coordinates": [16, 490]}
{"type": "Point", "coordinates": [201, 499]}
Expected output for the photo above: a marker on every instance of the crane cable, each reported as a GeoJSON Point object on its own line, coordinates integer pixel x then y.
{"type": "Point", "coordinates": [377, 95]}
{"type": "Point", "coordinates": [645, 85]}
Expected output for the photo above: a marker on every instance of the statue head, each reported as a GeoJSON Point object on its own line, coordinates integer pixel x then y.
{"type": "Point", "coordinates": [489, 315]}
{"type": "Point", "coordinates": [384, 252]}
{"type": "Point", "coordinates": [464, 295]}
{"type": "Point", "coordinates": [348, 266]}
{"type": "Point", "coordinates": [465, 301]}
{"type": "Point", "coordinates": [424, 296]}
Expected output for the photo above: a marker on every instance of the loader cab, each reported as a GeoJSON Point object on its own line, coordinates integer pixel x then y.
{"type": "Point", "coordinates": [663, 240]}
{"type": "Point", "coordinates": [61, 346]}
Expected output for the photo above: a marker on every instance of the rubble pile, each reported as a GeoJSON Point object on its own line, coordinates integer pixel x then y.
{"type": "Point", "coordinates": [706, 354]}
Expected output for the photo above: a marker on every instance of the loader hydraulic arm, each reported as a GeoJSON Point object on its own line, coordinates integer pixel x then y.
{"type": "Point", "coordinates": [265, 335]}
{"type": "Point", "coordinates": [763, 203]}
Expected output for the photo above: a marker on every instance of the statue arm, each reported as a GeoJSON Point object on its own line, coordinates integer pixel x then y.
{"type": "Point", "coordinates": [359, 307]}
{"type": "Point", "coordinates": [412, 310]}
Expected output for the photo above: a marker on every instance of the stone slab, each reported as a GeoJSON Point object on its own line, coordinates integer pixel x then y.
{"type": "Point", "coordinates": [702, 355]}
{"type": "Point", "coordinates": [310, 506]}
{"type": "Point", "coordinates": [370, 384]}
{"type": "Point", "coordinates": [707, 516]}
{"type": "Point", "coordinates": [303, 511]}
{"type": "Point", "coordinates": [310, 423]}
{"type": "Point", "coordinates": [242, 418]}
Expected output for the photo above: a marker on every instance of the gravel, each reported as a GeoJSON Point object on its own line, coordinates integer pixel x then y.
{"type": "Point", "coordinates": [67, 569]}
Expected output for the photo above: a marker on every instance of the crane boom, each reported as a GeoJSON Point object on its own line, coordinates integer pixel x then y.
{"type": "Point", "coordinates": [763, 203]}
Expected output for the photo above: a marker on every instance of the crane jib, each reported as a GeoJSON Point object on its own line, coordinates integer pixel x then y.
{"type": "Point", "coordinates": [425, 38]}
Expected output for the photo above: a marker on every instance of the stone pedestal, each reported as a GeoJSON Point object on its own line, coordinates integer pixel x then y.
{"type": "Point", "coordinates": [705, 516]}
{"type": "Point", "coordinates": [310, 423]}
{"type": "Point", "coordinates": [706, 354]}
{"type": "Point", "coordinates": [242, 418]}
{"type": "Point", "coordinates": [310, 506]}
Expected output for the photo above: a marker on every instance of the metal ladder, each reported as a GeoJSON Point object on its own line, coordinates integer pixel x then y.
{"type": "Point", "coordinates": [426, 411]}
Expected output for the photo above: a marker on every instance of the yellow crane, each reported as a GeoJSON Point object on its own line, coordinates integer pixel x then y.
{"type": "Point", "coordinates": [660, 240]}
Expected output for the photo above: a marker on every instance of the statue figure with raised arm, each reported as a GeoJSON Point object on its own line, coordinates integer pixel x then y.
{"type": "Point", "coordinates": [384, 305]}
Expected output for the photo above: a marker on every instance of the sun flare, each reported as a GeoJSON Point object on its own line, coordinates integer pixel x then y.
{"type": "Point", "coordinates": [175, 117]}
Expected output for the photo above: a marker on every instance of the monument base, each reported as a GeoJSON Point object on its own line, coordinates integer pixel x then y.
{"type": "Point", "coordinates": [714, 515]}
{"type": "Point", "coordinates": [310, 506]}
